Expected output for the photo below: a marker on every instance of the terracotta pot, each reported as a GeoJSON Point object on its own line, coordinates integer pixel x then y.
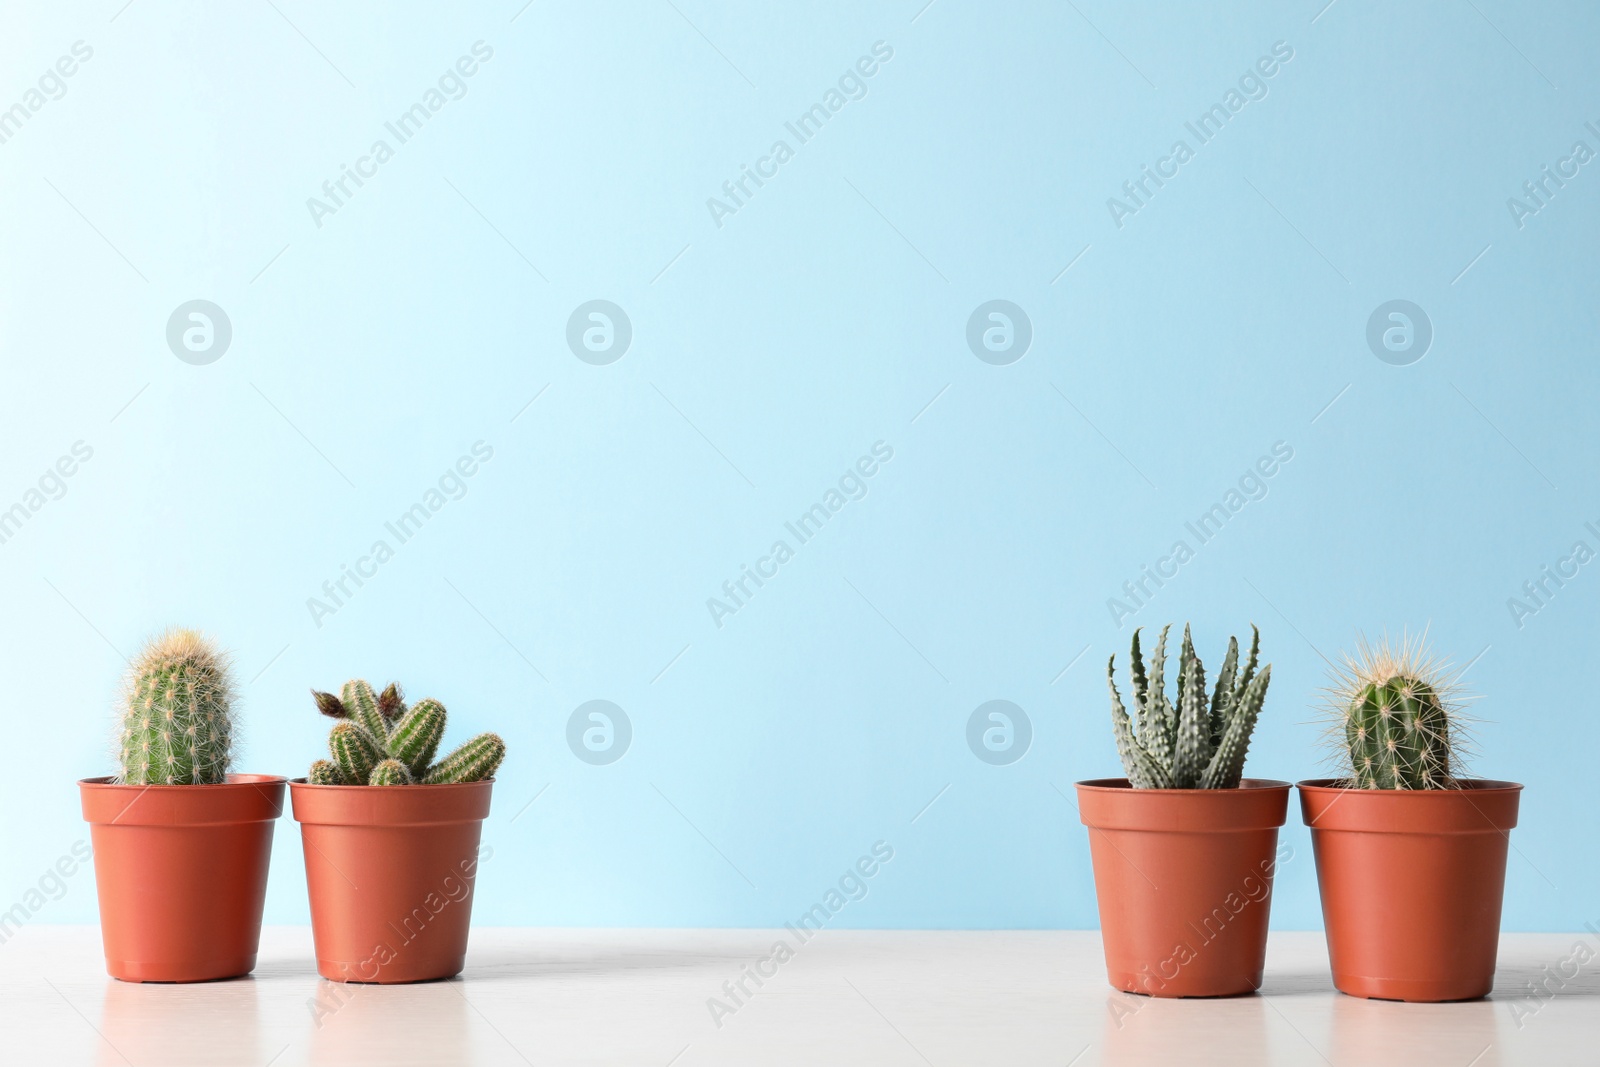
{"type": "Point", "coordinates": [390, 870]}
{"type": "Point", "coordinates": [1411, 883]}
{"type": "Point", "coordinates": [181, 872]}
{"type": "Point", "coordinates": [1184, 881]}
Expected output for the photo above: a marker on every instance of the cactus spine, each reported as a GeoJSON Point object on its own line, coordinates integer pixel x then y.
{"type": "Point", "coordinates": [1199, 742]}
{"type": "Point", "coordinates": [1397, 717]}
{"type": "Point", "coordinates": [379, 741]}
{"type": "Point", "coordinates": [177, 715]}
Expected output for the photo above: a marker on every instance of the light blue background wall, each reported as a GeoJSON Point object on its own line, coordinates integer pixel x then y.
{"type": "Point", "coordinates": [769, 353]}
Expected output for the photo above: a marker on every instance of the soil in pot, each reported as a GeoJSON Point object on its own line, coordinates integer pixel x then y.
{"type": "Point", "coordinates": [1411, 881]}
{"type": "Point", "coordinates": [1184, 882]}
{"type": "Point", "coordinates": [391, 872]}
{"type": "Point", "coordinates": [181, 872]}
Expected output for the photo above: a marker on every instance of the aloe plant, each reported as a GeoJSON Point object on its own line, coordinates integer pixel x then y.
{"type": "Point", "coordinates": [1198, 742]}
{"type": "Point", "coordinates": [380, 741]}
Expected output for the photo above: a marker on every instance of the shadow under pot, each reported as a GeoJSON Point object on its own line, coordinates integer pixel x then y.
{"type": "Point", "coordinates": [1184, 882]}
{"type": "Point", "coordinates": [1411, 881]}
{"type": "Point", "coordinates": [181, 874]}
{"type": "Point", "coordinates": [391, 872]}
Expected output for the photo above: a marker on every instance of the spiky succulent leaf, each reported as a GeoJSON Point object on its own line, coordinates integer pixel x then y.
{"type": "Point", "coordinates": [1193, 748]}
{"type": "Point", "coordinates": [1249, 671]}
{"type": "Point", "coordinates": [416, 737]}
{"type": "Point", "coordinates": [324, 772]}
{"type": "Point", "coordinates": [1141, 683]}
{"type": "Point", "coordinates": [1227, 763]}
{"type": "Point", "coordinates": [1222, 697]}
{"type": "Point", "coordinates": [354, 751]}
{"type": "Point", "coordinates": [1159, 730]}
{"type": "Point", "coordinates": [1143, 772]}
{"type": "Point", "coordinates": [474, 761]}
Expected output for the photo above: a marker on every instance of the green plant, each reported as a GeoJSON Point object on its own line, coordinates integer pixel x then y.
{"type": "Point", "coordinates": [177, 713]}
{"type": "Point", "coordinates": [1397, 717]}
{"type": "Point", "coordinates": [380, 741]}
{"type": "Point", "coordinates": [1199, 742]}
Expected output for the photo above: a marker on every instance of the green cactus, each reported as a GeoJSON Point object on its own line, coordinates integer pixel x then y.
{"type": "Point", "coordinates": [379, 741]}
{"type": "Point", "coordinates": [325, 772]}
{"type": "Point", "coordinates": [416, 737]}
{"type": "Point", "coordinates": [177, 718]}
{"type": "Point", "coordinates": [1397, 713]}
{"type": "Point", "coordinates": [362, 705]}
{"type": "Point", "coordinates": [1199, 743]}
{"type": "Point", "coordinates": [391, 772]}
{"type": "Point", "coordinates": [355, 752]}
{"type": "Point", "coordinates": [472, 762]}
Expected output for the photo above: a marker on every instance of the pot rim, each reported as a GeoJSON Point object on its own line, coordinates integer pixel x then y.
{"type": "Point", "coordinates": [301, 784]}
{"type": "Point", "coordinates": [1477, 786]}
{"type": "Point", "coordinates": [443, 803]}
{"type": "Point", "coordinates": [1481, 806]}
{"type": "Point", "coordinates": [1122, 785]}
{"type": "Point", "coordinates": [243, 798]}
{"type": "Point", "coordinates": [1113, 804]}
{"type": "Point", "coordinates": [107, 781]}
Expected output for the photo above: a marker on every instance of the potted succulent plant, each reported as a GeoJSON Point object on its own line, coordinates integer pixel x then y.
{"type": "Point", "coordinates": [1184, 847]}
{"type": "Point", "coordinates": [1411, 855]}
{"type": "Point", "coordinates": [181, 846]}
{"type": "Point", "coordinates": [391, 837]}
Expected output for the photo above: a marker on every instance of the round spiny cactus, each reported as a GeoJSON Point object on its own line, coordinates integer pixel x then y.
{"type": "Point", "coordinates": [177, 713]}
{"type": "Point", "coordinates": [1397, 721]}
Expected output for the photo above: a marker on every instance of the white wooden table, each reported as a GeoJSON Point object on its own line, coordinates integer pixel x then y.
{"type": "Point", "coordinates": [640, 997]}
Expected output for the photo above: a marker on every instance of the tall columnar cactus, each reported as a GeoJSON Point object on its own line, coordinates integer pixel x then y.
{"type": "Point", "coordinates": [177, 714]}
{"type": "Point", "coordinates": [1397, 717]}
{"type": "Point", "coordinates": [1199, 742]}
{"type": "Point", "coordinates": [380, 741]}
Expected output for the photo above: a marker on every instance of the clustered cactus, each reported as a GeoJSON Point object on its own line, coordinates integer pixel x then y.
{"type": "Point", "coordinates": [1199, 743]}
{"type": "Point", "coordinates": [1396, 712]}
{"type": "Point", "coordinates": [379, 741]}
{"type": "Point", "coordinates": [177, 713]}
